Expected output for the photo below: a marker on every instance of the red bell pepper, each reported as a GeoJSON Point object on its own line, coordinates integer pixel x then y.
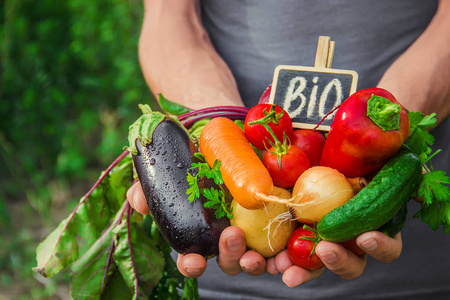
{"type": "Point", "coordinates": [368, 129]}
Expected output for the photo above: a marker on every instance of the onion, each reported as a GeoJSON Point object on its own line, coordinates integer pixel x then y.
{"type": "Point", "coordinates": [317, 191]}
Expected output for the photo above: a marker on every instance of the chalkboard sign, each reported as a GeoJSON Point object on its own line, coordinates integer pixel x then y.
{"type": "Point", "coordinates": [308, 94]}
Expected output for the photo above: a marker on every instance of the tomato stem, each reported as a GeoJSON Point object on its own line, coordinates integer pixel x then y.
{"type": "Point", "coordinates": [271, 116]}
{"type": "Point", "coordinates": [316, 239]}
{"type": "Point", "coordinates": [281, 148]}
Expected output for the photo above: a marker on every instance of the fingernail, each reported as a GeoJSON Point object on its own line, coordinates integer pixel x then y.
{"type": "Point", "coordinates": [370, 244]}
{"type": "Point", "coordinates": [234, 243]}
{"type": "Point", "coordinates": [250, 268]}
{"type": "Point", "coordinates": [135, 199]}
{"type": "Point", "coordinates": [329, 257]}
{"type": "Point", "coordinates": [193, 271]}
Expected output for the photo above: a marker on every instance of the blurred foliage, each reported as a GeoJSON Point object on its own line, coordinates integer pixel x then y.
{"type": "Point", "coordinates": [69, 89]}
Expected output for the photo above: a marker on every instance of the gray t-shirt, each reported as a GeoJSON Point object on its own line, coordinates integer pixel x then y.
{"type": "Point", "coordinates": [253, 37]}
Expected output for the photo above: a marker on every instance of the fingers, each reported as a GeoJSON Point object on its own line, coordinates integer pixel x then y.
{"type": "Point", "coordinates": [282, 261]}
{"type": "Point", "coordinates": [136, 198]}
{"type": "Point", "coordinates": [271, 267]}
{"type": "Point", "coordinates": [380, 246]}
{"type": "Point", "coordinates": [349, 266]}
{"type": "Point", "coordinates": [295, 275]}
{"type": "Point", "coordinates": [234, 257]}
{"type": "Point", "coordinates": [341, 261]}
{"type": "Point", "coordinates": [231, 248]}
{"type": "Point", "coordinates": [191, 265]}
{"type": "Point", "coordinates": [253, 263]}
{"type": "Point", "coordinates": [292, 275]}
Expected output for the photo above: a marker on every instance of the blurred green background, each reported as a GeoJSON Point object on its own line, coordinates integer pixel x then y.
{"type": "Point", "coordinates": [70, 86]}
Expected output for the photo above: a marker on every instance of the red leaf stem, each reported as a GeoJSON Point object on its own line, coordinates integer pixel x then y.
{"type": "Point", "coordinates": [108, 263]}
{"type": "Point", "coordinates": [231, 109]}
{"type": "Point", "coordinates": [323, 119]}
{"type": "Point", "coordinates": [231, 115]}
{"type": "Point", "coordinates": [136, 282]}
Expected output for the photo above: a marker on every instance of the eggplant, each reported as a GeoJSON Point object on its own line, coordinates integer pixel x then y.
{"type": "Point", "coordinates": [162, 163]}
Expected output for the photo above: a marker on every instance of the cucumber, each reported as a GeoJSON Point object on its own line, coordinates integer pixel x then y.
{"type": "Point", "coordinates": [375, 204]}
{"type": "Point", "coordinates": [395, 225]}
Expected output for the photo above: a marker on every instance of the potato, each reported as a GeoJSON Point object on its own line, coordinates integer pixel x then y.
{"type": "Point", "coordinates": [254, 223]}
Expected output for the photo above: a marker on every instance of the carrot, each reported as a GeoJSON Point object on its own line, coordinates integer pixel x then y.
{"type": "Point", "coordinates": [242, 171]}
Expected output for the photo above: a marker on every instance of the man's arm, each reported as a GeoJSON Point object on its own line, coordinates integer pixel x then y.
{"type": "Point", "coordinates": [420, 77]}
{"type": "Point", "coordinates": [178, 58]}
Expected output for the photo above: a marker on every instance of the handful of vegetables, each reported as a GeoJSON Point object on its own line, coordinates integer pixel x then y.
{"type": "Point", "coordinates": [204, 170]}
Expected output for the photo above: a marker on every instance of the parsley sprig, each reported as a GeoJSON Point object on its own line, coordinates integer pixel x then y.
{"type": "Point", "coordinates": [216, 197]}
{"type": "Point", "coordinates": [435, 210]}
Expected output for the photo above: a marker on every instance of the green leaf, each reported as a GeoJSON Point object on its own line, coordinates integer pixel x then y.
{"type": "Point", "coordinates": [78, 232]}
{"type": "Point", "coordinates": [91, 218]}
{"type": "Point", "coordinates": [116, 288]}
{"type": "Point", "coordinates": [119, 180]}
{"type": "Point", "coordinates": [190, 291]}
{"type": "Point", "coordinates": [415, 117]}
{"type": "Point", "coordinates": [445, 219]}
{"type": "Point", "coordinates": [427, 121]}
{"type": "Point", "coordinates": [58, 250]}
{"type": "Point", "coordinates": [197, 127]}
{"type": "Point", "coordinates": [429, 214]}
{"type": "Point", "coordinates": [193, 191]}
{"type": "Point", "coordinates": [216, 201]}
{"type": "Point", "coordinates": [171, 107]}
{"type": "Point", "coordinates": [216, 198]}
{"type": "Point", "coordinates": [420, 141]}
{"type": "Point", "coordinates": [139, 262]}
{"type": "Point", "coordinates": [432, 187]}
{"type": "Point", "coordinates": [93, 271]}
{"type": "Point", "coordinates": [215, 173]}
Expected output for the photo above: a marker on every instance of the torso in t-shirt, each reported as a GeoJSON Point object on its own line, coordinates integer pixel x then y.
{"type": "Point", "coordinates": [254, 37]}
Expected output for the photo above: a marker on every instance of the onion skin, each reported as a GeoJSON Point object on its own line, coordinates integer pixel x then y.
{"type": "Point", "coordinates": [317, 191]}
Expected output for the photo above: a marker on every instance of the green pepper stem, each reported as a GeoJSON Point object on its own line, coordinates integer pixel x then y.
{"type": "Point", "coordinates": [384, 113]}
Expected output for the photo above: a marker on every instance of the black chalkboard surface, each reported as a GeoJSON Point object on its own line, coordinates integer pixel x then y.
{"type": "Point", "coordinates": [308, 94]}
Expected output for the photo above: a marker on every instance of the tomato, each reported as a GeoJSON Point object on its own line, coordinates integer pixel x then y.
{"type": "Point", "coordinates": [276, 118]}
{"type": "Point", "coordinates": [266, 95]}
{"type": "Point", "coordinates": [299, 250]}
{"type": "Point", "coordinates": [352, 246]}
{"type": "Point", "coordinates": [310, 141]}
{"type": "Point", "coordinates": [293, 163]}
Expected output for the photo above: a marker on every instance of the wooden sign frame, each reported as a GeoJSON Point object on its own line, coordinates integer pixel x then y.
{"type": "Point", "coordinates": [313, 107]}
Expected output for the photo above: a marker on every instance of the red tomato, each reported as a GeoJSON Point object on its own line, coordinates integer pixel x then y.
{"type": "Point", "coordinates": [299, 250]}
{"type": "Point", "coordinates": [266, 95]}
{"type": "Point", "coordinates": [257, 134]}
{"type": "Point", "coordinates": [310, 141]}
{"type": "Point", "coordinates": [352, 246]}
{"type": "Point", "coordinates": [293, 164]}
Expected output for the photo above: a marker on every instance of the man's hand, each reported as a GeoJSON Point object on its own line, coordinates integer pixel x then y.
{"type": "Point", "coordinates": [234, 258]}
{"type": "Point", "coordinates": [338, 259]}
